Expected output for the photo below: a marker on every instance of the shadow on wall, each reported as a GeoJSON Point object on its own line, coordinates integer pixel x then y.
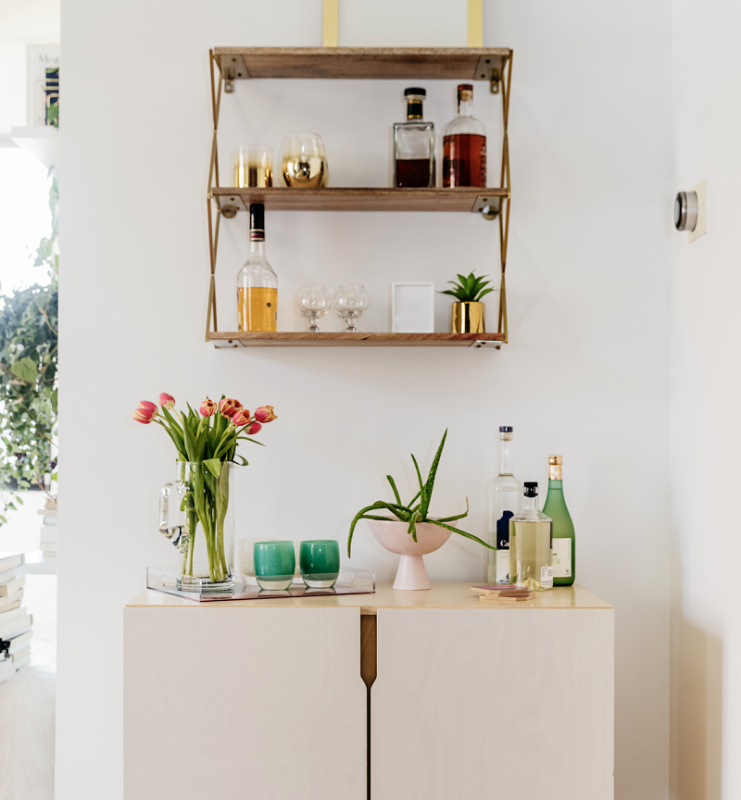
{"type": "Point", "coordinates": [698, 714]}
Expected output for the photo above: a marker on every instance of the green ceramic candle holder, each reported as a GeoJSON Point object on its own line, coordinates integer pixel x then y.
{"type": "Point", "coordinates": [320, 563]}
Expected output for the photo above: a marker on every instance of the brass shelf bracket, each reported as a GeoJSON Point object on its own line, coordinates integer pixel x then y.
{"type": "Point", "coordinates": [212, 325]}
{"type": "Point", "coordinates": [506, 206]}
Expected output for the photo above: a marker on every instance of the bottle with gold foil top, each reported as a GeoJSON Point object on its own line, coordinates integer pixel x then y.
{"type": "Point", "coordinates": [564, 542]}
{"type": "Point", "coordinates": [464, 145]}
{"type": "Point", "coordinates": [257, 284]}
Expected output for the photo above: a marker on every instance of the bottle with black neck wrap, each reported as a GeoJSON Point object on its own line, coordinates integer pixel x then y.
{"type": "Point", "coordinates": [564, 542]}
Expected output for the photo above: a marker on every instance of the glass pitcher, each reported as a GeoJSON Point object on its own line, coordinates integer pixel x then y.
{"type": "Point", "coordinates": [196, 516]}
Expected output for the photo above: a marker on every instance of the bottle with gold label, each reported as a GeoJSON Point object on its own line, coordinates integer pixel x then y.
{"type": "Point", "coordinates": [564, 542]}
{"type": "Point", "coordinates": [257, 284]}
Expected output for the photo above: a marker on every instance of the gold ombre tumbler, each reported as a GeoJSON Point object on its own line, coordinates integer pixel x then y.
{"type": "Point", "coordinates": [467, 318]}
{"type": "Point", "coordinates": [253, 166]}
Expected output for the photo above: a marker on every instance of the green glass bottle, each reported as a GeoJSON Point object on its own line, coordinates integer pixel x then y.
{"type": "Point", "coordinates": [564, 543]}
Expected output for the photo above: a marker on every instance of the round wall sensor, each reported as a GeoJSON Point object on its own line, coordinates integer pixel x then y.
{"type": "Point", "coordinates": [685, 211]}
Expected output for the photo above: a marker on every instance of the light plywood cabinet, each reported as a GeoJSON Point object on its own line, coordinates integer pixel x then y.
{"type": "Point", "coordinates": [502, 704]}
{"type": "Point", "coordinates": [222, 702]}
{"type": "Point", "coordinates": [265, 698]}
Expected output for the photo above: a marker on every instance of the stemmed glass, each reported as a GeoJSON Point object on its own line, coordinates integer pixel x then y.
{"type": "Point", "coordinates": [312, 302]}
{"type": "Point", "coordinates": [349, 301]}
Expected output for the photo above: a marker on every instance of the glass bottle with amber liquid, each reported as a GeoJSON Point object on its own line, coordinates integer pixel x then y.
{"type": "Point", "coordinates": [564, 541]}
{"type": "Point", "coordinates": [464, 145]}
{"type": "Point", "coordinates": [414, 145]}
{"type": "Point", "coordinates": [257, 284]}
{"type": "Point", "coordinates": [531, 544]}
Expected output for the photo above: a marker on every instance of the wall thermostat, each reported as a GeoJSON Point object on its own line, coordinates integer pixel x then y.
{"type": "Point", "coordinates": [685, 211]}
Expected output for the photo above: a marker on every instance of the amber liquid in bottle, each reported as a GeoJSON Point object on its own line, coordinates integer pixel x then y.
{"type": "Point", "coordinates": [412, 172]}
{"type": "Point", "coordinates": [464, 160]}
{"type": "Point", "coordinates": [258, 309]}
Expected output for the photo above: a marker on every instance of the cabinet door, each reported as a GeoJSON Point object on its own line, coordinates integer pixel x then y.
{"type": "Point", "coordinates": [493, 703]}
{"type": "Point", "coordinates": [229, 702]}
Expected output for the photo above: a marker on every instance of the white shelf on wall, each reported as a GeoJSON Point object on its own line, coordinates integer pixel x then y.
{"type": "Point", "coordinates": [41, 141]}
{"type": "Point", "coordinates": [38, 563]}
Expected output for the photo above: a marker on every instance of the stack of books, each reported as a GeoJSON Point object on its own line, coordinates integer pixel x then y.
{"type": "Point", "coordinates": [49, 529]}
{"type": "Point", "coordinates": [15, 622]}
{"type": "Point", "coordinates": [6, 666]}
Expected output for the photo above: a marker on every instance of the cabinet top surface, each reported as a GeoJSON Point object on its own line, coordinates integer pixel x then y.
{"type": "Point", "coordinates": [441, 596]}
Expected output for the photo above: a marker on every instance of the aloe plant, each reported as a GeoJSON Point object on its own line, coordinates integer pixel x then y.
{"type": "Point", "coordinates": [416, 510]}
{"type": "Point", "coordinates": [469, 289]}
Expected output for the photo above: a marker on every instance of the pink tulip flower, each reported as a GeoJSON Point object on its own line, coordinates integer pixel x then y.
{"type": "Point", "coordinates": [241, 418]}
{"type": "Point", "coordinates": [254, 428]}
{"type": "Point", "coordinates": [167, 401]}
{"type": "Point", "coordinates": [146, 412]}
{"type": "Point", "coordinates": [208, 408]}
{"type": "Point", "coordinates": [230, 407]}
{"type": "Point", "coordinates": [265, 414]}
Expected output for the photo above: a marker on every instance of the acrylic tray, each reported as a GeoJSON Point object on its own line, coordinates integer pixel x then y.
{"type": "Point", "coordinates": [350, 581]}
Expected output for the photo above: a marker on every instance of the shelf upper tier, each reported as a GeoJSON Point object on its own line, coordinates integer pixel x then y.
{"type": "Point", "coordinates": [424, 63]}
{"type": "Point", "coordinates": [359, 339]}
{"type": "Point", "coordinates": [350, 199]}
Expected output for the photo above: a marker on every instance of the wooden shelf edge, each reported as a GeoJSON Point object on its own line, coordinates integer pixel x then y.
{"type": "Point", "coordinates": [374, 63]}
{"type": "Point", "coordinates": [359, 339]}
{"type": "Point", "coordinates": [277, 198]}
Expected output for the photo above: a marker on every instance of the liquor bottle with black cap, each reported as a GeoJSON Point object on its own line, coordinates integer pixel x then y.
{"type": "Point", "coordinates": [414, 145]}
{"type": "Point", "coordinates": [531, 544]}
{"type": "Point", "coordinates": [464, 145]}
{"type": "Point", "coordinates": [257, 284]}
{"type": "Point", "coordinates": [503, 501]}
{"type": "Point", "coordinates": [564, 541]}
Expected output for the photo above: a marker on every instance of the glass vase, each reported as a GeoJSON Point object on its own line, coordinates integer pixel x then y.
{"type": "Point", "coordinates": [197, 517]}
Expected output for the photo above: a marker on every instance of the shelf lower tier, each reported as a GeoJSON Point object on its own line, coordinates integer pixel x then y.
{"type": "Point", "coordinates": [359, 339]}
{"type": "Point", "coordinates": [278, 198]}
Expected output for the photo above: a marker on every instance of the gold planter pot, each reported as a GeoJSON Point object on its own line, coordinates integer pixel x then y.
{"type": "Point", "coordinates": [467, 318]}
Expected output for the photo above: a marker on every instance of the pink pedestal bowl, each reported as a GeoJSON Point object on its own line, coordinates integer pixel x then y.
{"type": "Point", "coordinates": [411, 575]}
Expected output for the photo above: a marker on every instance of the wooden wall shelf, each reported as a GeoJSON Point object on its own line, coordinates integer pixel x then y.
{"type": "Point", "coordinates": [229, 64]}
{"type": "Point", "coordinates": [359, 339]}
{"type": "Point", "coordinates": [350, 199]}
{"type": "Point", "coordinates": [412, 63]}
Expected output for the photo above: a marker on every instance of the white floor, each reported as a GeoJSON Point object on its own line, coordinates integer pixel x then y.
{"type": "Point", "coordinates": [27, 703]}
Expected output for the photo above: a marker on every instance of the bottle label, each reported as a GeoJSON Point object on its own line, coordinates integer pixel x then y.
{"type": "Point", "coordinates": [546, 577]}
{"type": "Point", "coordinates": [503, 530]}
{"type": "Point", "coordinates": [503, 566]}
{"type": "Point", "coordinates": [562, 558]}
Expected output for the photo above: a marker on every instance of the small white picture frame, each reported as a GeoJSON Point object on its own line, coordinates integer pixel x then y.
{"type": "Point", "coordinates": [412, 308]}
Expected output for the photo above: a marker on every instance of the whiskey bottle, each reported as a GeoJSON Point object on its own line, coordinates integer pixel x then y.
{"type": "Point", "coordinates": [564, 542]}
{"type": "Point", "coordinates": [257, 284]}
{"type": "Point", "coordinates": [503, 502]}
{"type": "Point", "coordinates": [414, 145]}
{"type": "Point", "coordinates": [464, 145]}
{"type": "Point", "coordinates": [530, 544]}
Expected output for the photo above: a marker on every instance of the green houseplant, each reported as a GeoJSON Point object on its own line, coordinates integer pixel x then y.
{"type": "Point", "coordinates": [28, 377]}
{"type": "Point", "coordinates": [467, 314]}
{"type": "Point", "coordinates": [411, 532]}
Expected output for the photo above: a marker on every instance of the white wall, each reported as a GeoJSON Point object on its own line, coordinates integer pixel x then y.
{"type": "Point", "coordinates": [586, 373]}
{"type": "Point", "coordinates": [706, 427]}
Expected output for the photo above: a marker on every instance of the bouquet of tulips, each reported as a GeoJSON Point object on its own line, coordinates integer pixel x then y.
{"type": "Point", "coordinates": [206, 442]}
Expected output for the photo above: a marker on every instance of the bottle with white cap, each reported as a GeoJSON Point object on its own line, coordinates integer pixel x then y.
{"type": "Point", "coordinates": [504, 495]}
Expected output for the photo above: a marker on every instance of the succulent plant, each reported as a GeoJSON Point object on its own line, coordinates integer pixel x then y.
{"type": "Point", "coordinates": [469, 289]}
{"type": "Point", "coordinates": [416, 510]}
